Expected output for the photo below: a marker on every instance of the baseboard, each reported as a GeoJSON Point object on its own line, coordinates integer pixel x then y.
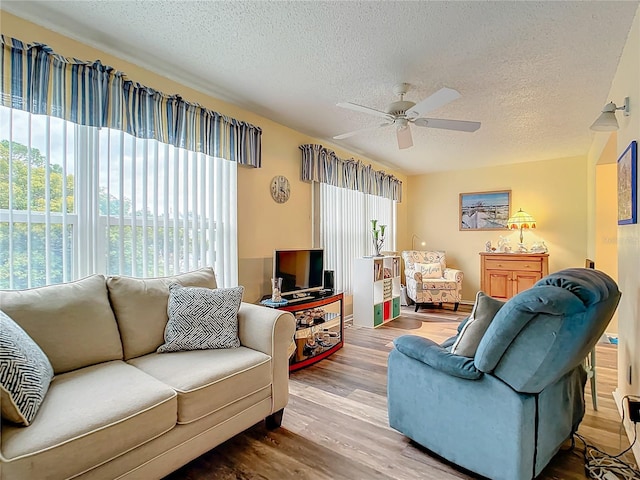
{"type": "Point", "coordinates": [629, 426]}
{"type": "Point", "coordinates": [348, 320]}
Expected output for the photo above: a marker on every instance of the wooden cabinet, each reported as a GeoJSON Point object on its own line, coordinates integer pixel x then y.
{"type": "Point", "coordinates": [376, 290]}
{"type": "Point", "coordinates": [503, 275]}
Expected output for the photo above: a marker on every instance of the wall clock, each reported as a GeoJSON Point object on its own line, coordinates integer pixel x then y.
{"type": "Point", "coordinates": [280, 188]}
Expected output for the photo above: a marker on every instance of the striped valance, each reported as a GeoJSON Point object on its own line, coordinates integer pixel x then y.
{"type": "Point", "coordinates": [320, 164]}
{"type": "Point", "coordinates": [37, 80]}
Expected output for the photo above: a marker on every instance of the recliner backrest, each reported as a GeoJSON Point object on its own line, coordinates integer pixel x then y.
{"type": "Point", "coordinates": [547, 330]}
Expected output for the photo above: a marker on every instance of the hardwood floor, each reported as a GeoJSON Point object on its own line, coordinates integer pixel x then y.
{"type": "Point", "coordinates": [335, 426]}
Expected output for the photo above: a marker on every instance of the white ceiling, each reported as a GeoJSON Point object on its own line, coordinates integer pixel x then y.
{"type": "Point", "coordinates": [536, 74]}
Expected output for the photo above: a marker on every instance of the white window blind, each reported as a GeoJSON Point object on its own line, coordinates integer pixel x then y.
{"type": "Point", "coordinates": [345, 228]}
{"type": "Point", "coordinates": [78, 200]}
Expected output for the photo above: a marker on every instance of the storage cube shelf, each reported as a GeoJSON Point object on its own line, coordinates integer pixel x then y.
{"type": "Point", "coordinates": [376, 290]}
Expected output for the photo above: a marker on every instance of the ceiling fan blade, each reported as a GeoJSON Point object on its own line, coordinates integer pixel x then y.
{"type": "Point", "coordinates": [459, 125]}
{"type": "Point", "coordinates": [404, 137]}
{"type": "Point", "coordinates": [360, 108]}
{"type": "Point", "coordinates": [355, 132]}
{"type": "Point", "coordinates": [434, 101]}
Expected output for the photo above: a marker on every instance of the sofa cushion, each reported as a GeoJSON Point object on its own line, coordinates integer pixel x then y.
{"type": "Point", "coordinates": [208, 380]}
{"type": "Point", "coordinates": [89, 416]}
{"type": "Point", "coordinates": [140, 306]}
{"type": "Point", "coordinates": [25, 373]}
{"type": "Point", "coordinates": [201, 318]}
{"type": "Point", "coordinates": [71, 322]}
{"type": "Point", "coordinates": [484, 309]}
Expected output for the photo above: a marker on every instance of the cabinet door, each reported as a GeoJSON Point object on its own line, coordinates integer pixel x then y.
{"type": "Point", "coordinates": [387, 310]}
{"type": "Point", "coordinates": [524, 280]}
{"type": "Point", "coordinates": [396, 307]}
{"type": "Point", "coordinates": [498, 283]}
{"type": "Point", "coordinates": [377, 314]}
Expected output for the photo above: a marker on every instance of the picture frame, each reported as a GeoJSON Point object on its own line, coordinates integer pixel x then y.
{"type": "Point", "coordinates": [628, 185]}
{"type": "Point", "coordinates": [485, 210]}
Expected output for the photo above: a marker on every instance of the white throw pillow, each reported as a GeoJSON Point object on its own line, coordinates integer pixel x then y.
{"type": "Point", "coordinates": [429, 270]}
{"type": "Point", "coordinates": [201, 318]}
{"type": "Point", "coordinates": [25, 373]}
{"type": "Point", "coordinates": [481, 316]}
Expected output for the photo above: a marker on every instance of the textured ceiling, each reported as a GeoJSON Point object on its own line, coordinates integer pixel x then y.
{"type": "Point", "coordinates": [536, 74]}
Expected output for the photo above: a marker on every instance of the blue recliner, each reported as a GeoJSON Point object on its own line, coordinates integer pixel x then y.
{"type": "Point", "coordinates": [505, 413]}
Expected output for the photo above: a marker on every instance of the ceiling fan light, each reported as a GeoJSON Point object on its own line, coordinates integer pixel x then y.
{"type": "Point", "coordinates": [404, 137]}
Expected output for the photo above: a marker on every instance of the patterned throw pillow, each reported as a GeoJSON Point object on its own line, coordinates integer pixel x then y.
{"type": "Point", "coordinates": [429, 270]}
{"type": "Point", "coordinates": [201, 318]}
{"type": "Point", "coordinates": [473, 330]}
{"type": "Point", "coordinates": [25, 373]}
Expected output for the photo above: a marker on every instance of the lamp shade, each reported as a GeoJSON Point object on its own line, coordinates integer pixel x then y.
{"type": "Point", "coordinates": [607, 121]}
{"type": "Point", "coordinates": [520, 221]}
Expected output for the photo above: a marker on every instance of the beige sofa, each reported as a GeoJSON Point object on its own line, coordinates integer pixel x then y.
{"type": "Point", "coordinates": [115, 408]}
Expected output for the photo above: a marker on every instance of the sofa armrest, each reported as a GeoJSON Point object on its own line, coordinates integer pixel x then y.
{"type": "Point", "coordinates": [432, 354]}
{"type": "Point", "coordinates": [269, 331]}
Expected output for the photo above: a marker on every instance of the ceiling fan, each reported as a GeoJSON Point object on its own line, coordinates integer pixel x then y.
{"type": "Point", "coordinates": [403, 112]}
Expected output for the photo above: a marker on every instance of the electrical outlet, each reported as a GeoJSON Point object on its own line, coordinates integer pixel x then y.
{"type": "Point", "coordinates": [634, 411]}
{"type": "Point", "coordinates": [630, 377]}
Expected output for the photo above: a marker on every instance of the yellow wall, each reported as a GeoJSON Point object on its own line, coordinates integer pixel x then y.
{"type": "Point", "coordinates": [606, 217]}
{"type": "Point", "coordinates": [553, 191]}
{"type": "Point", "coordinates": [263, 224]}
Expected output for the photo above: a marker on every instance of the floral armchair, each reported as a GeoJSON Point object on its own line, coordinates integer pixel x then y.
{"type": "Point", "coordinates": [429, 280]}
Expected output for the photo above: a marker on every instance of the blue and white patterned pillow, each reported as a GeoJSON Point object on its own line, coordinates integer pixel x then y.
{"type": "Point", "coordinates": [201, 318]}
{"type": "Point", "coordinates": [25, 373]}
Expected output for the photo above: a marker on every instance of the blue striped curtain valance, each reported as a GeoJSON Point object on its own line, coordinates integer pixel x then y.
{"type": "Point", "coordinates": [37, 80]}
{"type": "Point", "coordinates": [320, 164]}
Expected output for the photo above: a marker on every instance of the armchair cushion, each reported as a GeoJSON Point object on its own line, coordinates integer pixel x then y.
{"type": "Point", "coordinates": [471, 333]}
{"type": "Point", "coordinates": [432, 354]}
{"type": "Point", "coordinates": [429, 270]}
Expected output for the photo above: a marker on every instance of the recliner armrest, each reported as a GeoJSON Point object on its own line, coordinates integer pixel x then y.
{"type": "Point", "coordinates": [432, 354]}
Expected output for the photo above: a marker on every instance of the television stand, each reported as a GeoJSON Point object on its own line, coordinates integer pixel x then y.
{"type": "Point", "coordinates": [304, 298]}
{"type": "Point", "coordinates": [319, 328]}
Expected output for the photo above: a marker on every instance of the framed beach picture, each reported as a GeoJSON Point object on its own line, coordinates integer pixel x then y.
{"type": "Point", "coordinates": [628, 185]}
{"type": "Point", "coordinates": [485, 210]}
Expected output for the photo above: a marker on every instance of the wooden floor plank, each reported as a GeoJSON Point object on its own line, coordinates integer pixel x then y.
{"type": "Point", "coordinates": [336, 426]}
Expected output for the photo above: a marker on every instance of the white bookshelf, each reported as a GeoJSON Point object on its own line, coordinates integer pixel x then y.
{"type": "Point", "coordinates": [376, 290]}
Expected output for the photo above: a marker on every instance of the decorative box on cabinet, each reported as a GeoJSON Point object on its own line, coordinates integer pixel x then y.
{"type": "Point", "coordinates": [503, 275]}
{"type": "Point", "coordinates": [376, 290]}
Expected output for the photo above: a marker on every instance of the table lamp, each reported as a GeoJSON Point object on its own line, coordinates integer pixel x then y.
{"type": "Point", "coordinates": [521, 220]}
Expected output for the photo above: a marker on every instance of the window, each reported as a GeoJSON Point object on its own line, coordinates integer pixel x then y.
{"type": "Point", "coordinates": [78, 200]}
{"type": "Point", "coordinates": [345, 228]}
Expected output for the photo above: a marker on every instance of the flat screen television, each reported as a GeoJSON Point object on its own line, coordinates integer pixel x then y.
{"type": "Point", "coordinates": [300, 270]}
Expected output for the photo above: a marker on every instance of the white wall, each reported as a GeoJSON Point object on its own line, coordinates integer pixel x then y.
{"type": "Point", "coordinates": [626, 83]}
